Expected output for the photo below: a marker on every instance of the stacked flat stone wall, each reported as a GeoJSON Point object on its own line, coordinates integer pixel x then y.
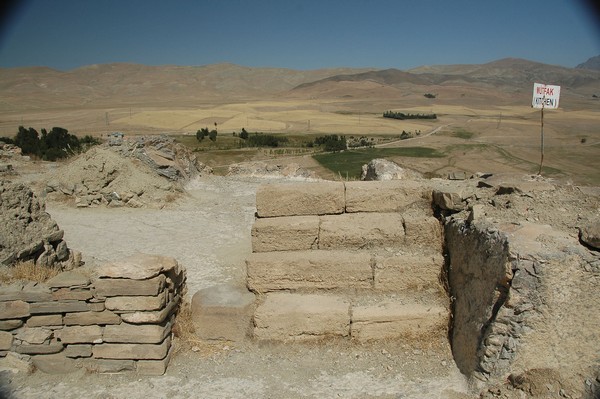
{"type": "Point", "coordinates": [118, 319]}
{"type": "Point", "coordinates": [360, 260]}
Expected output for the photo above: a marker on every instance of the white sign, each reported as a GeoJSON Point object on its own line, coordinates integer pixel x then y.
{"type": "Point", "coordinates": [545, 96]}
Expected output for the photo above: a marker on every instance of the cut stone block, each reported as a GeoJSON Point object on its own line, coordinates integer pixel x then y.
{"type": "Point", "coordinates": [77, 351]}
{"type": "Point", "coordinates": [135, 303]}
{"type": "Point", "coordinates": [108, 287]}
{"type": "Point", "coordinates": [298, 317]}
{"type": "Point", "coordinates": [322, 198]}
{"type": "Point", "coordinates": [138, 267]}
{"type": "Point", "coordinates": [55, 364]}
{"type": "Point", "coordinates": [155, 317]}
{"type": "Point", "coordinates": [6, 340]}
{"type": "Point", "coordinates": [136, 334]}
{"type": "Point", "coordinates": [285, 233]}
{"type": "Point", "coordinates": [69, 294]}
{"type": "Point", "coordinates": [7, 325]}
{"type": "Point", "coordinates": [45, 320]}
{"type": "Point", "coordinates": [222, 312]}
{"type": "Point", "coordinates": [80, 334]}
{"type": "Point", "coordinates": [91, 318]}
{"type": "Point", "coordinates": [423, 231]}
{"type": "Point", "coordinates": [271, 271]}
{"type": "Point", "coordinates": [68, 279]}
{"type": "Point", "coordinates": [14, 310]}
{"type": "Point", "coordinates": [389, 319]}
{"type": "Point", "coordinates": [386, 196]}
{"type": "Point", "coordinates": [57, 307]}
{"type": "Point", "coordinates": [110, 366]}
{"type": "Point", "coordinates": [408, 272]}
{"type": "Point", "coordinates": [132, 351]}
{"type": "Point", "coordinates": [40, 349]}
{"type": "Point", "coordinates": [154, 367]}
{"type": "Point", "coordinates": [361, 231]}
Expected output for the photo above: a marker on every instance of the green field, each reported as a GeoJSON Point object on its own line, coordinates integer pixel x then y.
{"type": "Point", "coordinates": [348, 164]}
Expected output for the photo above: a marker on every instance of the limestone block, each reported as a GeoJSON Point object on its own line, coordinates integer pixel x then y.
{"type": "Point", "coordinates": [53, 307]}
{"type": "Point", "coordinates": [68, 279]}
{"type": "Point", "coordinates": [70, 294]}
{"type": "Point", "coordinates": [7, 325]}
{"type": "Point", "coordinates": [154, 367]}
{"type": "Point", "coordinates": [386, 196]}
{"type": "Point", "coordinates": [110, 366]}
{"type": "Point", "coordinates": [408, 272]}
{"type": "Point", "coordinates": [138, 267]}
{"type": "Point", "coordinates": [271, 271]}
{"type": "Point", "coordinates": [361, 230]}
{"type": "Point", "coordinates": [297, 199]}
{"type": "Point", "coordinates": [108, 287]}
{"type": "Point", "coordinates": [6, 340]}
{"type": "Point", "coordinates": [55, 364]}
{"type": "Point", "coordinates": [394, 319]}
{"type": "Point", "coordinates": [80, 334]}
{"type": "Point", "coordinates": [40, 349]}
{"type": "Point", "coordinates": [77, 351]}
{"type": "Point", "coordinates": [297, 317]}
{"type": "Point", "coordinates": [134, 303]}
{"type": "Point", "coordinates": [136, 334]}
{"type": "Point", "coordinates": [14, 310]}
{"type": "Point", "coordinates": [152, 317]}
{"type": "Point", "coordinates": [222, 312]}
{"type": "Point", "coordinates": [423, 231]}
{"type": "Point", "coordinates": [34, 335]}
{"type": "Point", "coordinates": [91, 318]}
{"type": "Point", "coordinates": [285, 233]}
{"type": "Point", "coordinates": [97, 307]}
{"type": "Point", "coordinates": [132, 351]}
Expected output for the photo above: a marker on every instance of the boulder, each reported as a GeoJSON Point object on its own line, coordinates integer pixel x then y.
{"type": "Point", "coordinates": [590, 234]}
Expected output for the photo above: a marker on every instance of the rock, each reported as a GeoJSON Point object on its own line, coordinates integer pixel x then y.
{"type": "Point", "coordinates": [285, 233]}
{"type": "Point", "coordinates": [80, 334]}
{"type": "Point", "coordinates": [136, 303]}
{"type": "Point", "coordinates": [132, 351]}
{"type": "Point", "coordinates": [138, 267]}
{"type": "Point", "coordinates": [76, 351]}
{"type": "Point", "coordinates": [448, 200]}
{"type": "Point", "coordinates": [300, 199]}
{"type": "Point", "coordinates": [91, 318]}
{"type": "Point", "coordinates": [54, 364]}
{"type": "Point", "coordinates": [16, 363]}
{"type": "Point", "coordinates": [222, 312]}
{"type": "Point", "coordinates": [34, 335]}
{"type": "Point", "coordinates": [14, 310]}
{"type": "Point", "coordinates": [590, 234]}
{"type": "Point", "coordinates": [361, 230]}
{"type": "Point", "coordinates": [387, 196]}
{"type": "Point", "coordinates": [68, 279]}
{"type": "Point", "coordinates": [6, 340]}
{"type": "Point", "coordinates": [109, 287]}
{"type": "Point", "coordinates": [477, 213]}
{"type": "Point", "coordinates": [137, 334]}
{"type": "Point", "coordinates": [382, 169]}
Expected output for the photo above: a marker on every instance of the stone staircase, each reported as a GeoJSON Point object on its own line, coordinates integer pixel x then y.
{"type": "Point", "coordinates": [359, 260]}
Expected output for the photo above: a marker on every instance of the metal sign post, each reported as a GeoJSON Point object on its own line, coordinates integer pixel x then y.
{"type": "Point", "coordinates": [544, 96]}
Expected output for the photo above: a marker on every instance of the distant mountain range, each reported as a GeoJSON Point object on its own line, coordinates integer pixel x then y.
{"type": "Point", "coordinates": [592, 63]}
{"type": "Point", "coordinates": [122, 85]}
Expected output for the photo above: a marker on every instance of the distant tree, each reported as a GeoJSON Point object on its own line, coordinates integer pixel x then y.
{"type": "Point", "coordinates": [429, 95]}
{"type": "Point", "coordinates": [28, 140]}
{"type": "Point", "coordinates": [212, 135]}
{"type": "Point", "coordinates": [244, 134]}
{"type": "Point", "coordinates": [201, 134]}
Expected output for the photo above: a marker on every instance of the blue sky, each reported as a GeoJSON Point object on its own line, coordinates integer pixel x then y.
{"type": "Point", "coordinates": [297, 34]}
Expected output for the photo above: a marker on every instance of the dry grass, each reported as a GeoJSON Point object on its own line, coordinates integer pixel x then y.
{"type": "Point", "coordinates": [187, 340]}
{"type": "Point", "coordinates": [27, 271]}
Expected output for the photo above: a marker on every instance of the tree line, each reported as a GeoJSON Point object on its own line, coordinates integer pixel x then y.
{"type": "Point", "coordinates": [402, 115]}
{"type": "Point", "coordinates": [49, 146]}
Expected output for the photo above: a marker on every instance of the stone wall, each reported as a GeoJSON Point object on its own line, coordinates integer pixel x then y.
{"type": "Point", "coordinates": [118, 318]}
{"type": "Point", "coordinates": [359, 260]}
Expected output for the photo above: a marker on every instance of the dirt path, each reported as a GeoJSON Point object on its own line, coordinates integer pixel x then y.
{"type": "Point", "coordinates": [209, 233]}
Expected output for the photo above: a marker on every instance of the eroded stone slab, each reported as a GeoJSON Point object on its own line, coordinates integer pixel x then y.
{"type": "Point", "coordinates": [138, 267]}
{"type": "Point", "coordinates": [297, 199]}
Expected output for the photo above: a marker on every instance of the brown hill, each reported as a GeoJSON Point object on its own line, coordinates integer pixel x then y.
{"type": "Point", "coordinates": [134, 84]}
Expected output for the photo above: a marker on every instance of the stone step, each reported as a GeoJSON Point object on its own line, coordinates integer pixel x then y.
{"type": "Point", "coordinates": [342, 270]}
{"type": "Point", "coordinates": [284, 316]}
{"type": "Point", "coordinates": [329, 198]}
{"type": "Point", "coordinates": [347, 231]}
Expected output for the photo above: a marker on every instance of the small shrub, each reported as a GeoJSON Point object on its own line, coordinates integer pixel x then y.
{"type": "Point", "coordinates": [27, 271]}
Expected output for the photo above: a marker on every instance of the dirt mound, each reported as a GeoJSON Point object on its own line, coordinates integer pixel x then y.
{"type": "Point", "coordinates": [102, 176]}
{"type": "Point", "coordinates": [27, 232]}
